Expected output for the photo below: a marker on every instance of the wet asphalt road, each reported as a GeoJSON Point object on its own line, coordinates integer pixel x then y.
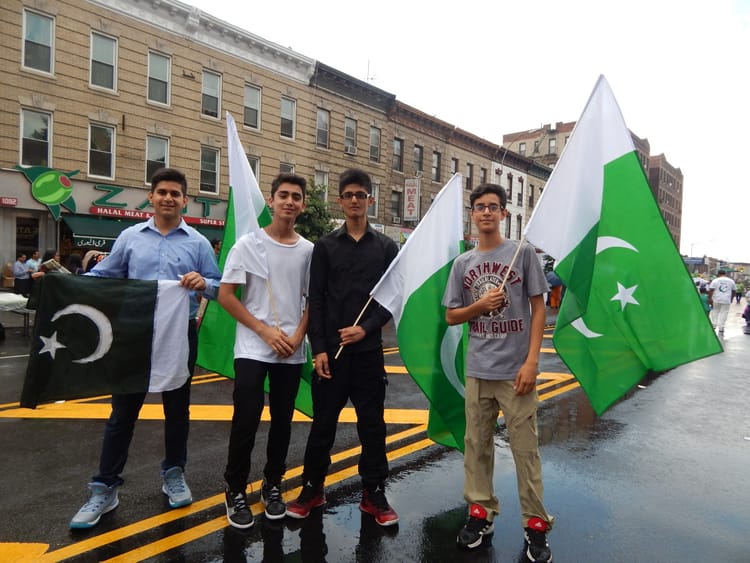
{"type": "Point", "coordinates": [660, 477]}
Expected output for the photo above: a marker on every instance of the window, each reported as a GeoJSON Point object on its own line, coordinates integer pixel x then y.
{"type": "Point", "coordinates": [519, 195]}
{"type": "Point", "coordinates": [36, 133]}
{"type": "Point", "coordinates": [531, 195]}
{"type": "Point", "coordinates": [510, 188]}
{"type": "Point", "coordinates": [398, 154]}
{"type": "Point", "coordinates": [286, 168]}
{"type": "Point", "coordinates": [251, 110]}
{"type": "Point", "coordinates": [211, 93]}
{"type": "Point", "coordinates": [518, 227]}
{"type": "Point", "coordinates": [209, 170]}
{"type": "Point", "coordinates": [508, 220]}
{"type": "Point", "coordinates": [254, 162]}
{"type": "Point", "coordinates": [350, 135]}
{"type": "Point", "coordinates": [467, 220]}
{"type": "Point", "coordinates": [372, 210]}
{"type": "Point", "coordinates": [38, 44]}
{"type": "Point", "coordinates": [101, 150]}
{"type": "Point", "coordinates": [103, 62]}
{"type": "Point", "coordinates": [454, 165]}
{"type": "Point", "coordinates": [321, 180]}
{"type": "Point", "coordinates": [418, 158]}
{"type": "Point", "coordinates": [158, 78]}
{"type": "Point", "coordinates": [553, 146]}
{"type": "Point", "coordinates": [522, 149]}
{"type": "Point", "coordinates": [436, 157]}
{"type": "Point", "coordinates": [157, 155]}
{"type": "Point", "coordinates": [469, 176]}
{"type": "Point", "coordinates": [322, 128]}
{"type": "Point", "coordinates": [374, 144]}
{"type": "Point", "coordinates": [288, 110]}
{"type": "Point", "coordinates": [396, 205]}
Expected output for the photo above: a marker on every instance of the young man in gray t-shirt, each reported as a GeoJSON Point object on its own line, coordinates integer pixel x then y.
{"type": "Point", "coordinates": [505, 336]}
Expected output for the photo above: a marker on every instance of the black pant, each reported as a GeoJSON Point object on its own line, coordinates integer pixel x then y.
{"type": "Point", "coordinates": [283, 382]}
{"type": "Point", "coordinates": [361, 378]}
{"type": "Point", "coordinates": [118, 432]}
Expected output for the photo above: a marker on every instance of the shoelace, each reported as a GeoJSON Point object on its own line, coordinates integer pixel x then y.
{"type": "Point", "coordinates": [272, 494]}
{"type": "Point", "coordinates": [239, 502]}
{"type": "Point", "coordinates": [176, 485]}
{"type": "Point", "coordinates": [95, 502]}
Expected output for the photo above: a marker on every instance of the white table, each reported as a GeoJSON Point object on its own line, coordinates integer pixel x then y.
{"type": "Point", "coordinates": [16, 304]}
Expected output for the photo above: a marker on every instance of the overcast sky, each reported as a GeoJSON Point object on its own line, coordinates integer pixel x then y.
{"type": "Point", "coordinates": [680, 71]}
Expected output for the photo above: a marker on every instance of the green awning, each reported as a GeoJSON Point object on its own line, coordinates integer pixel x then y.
{"type": "Point", "coordinates": [210, 232]}
{"type": "Point", "coordinates": [96, 233]}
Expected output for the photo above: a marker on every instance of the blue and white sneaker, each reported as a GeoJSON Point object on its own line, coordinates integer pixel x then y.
{"type": "Point", "coordinates": [102, 499]}
{"type": "Point", "coordinates": [176, 488]}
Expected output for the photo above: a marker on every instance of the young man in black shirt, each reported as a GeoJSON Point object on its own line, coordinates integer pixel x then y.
{"type": "Point", "coordinates": [346, 265]}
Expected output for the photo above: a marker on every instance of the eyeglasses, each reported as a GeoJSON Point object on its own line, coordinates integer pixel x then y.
{"type": "Point", "coordinates": [357, 195]}
{"type": "Point", "coordinates": [481, 207]}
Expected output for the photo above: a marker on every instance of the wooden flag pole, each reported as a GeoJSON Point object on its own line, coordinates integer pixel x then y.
{"type": "Point", "coordinates": [362, 312]}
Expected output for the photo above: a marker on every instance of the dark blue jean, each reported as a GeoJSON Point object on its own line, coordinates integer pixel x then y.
{"type": "Point", "coordinates": [118, 432]}
{"type": "Point", "coordinates": [283, 382]}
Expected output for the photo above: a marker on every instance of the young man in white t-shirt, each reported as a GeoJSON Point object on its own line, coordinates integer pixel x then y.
{"type": "Point", "coordinates": [502, 364]}
{"type": "Point", "coordinates": [273, 267]}
{"type": "Point", "coordinates": [720, 294]}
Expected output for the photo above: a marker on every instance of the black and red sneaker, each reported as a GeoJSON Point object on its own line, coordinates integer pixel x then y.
{"type": "Point", "coordinates": [477, 527]}
{"type": "Point", "coordinates": [535, 538]}
{"type": "Point", "coordinates": [311, 496]}
{"type": "Point", "coordinates": [375, 503]}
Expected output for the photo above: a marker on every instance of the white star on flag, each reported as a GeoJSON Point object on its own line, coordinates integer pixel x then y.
{"type": "Point", "coordinates": [51, 345]}
{"type": "Point", "coordinates": [625, 295]}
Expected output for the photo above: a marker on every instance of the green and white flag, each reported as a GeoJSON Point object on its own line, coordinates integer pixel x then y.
{"type": "Point", "coordinates": [412, 290]}
{"type": "Point", "coordinates": [630, 306]}
{"type": "Point", "coordinates": [247, 212]}
{"type": "Point", "coordinates": [95, 336]}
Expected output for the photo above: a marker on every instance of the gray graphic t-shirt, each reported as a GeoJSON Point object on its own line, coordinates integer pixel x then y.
{"type": "Point", "coordinates": [498, 341]}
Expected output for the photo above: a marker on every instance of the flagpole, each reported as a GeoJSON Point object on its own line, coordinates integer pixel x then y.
{"type": "Point", "coordinates": [362, 312]}
{"type": "Point", "coordinates": [513, 261]}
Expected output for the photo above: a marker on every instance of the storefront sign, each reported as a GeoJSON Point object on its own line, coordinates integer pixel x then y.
{"type": "Point", "coordinates": [8, 201]}
{"type": "Point", "coordinates": [411, 199]}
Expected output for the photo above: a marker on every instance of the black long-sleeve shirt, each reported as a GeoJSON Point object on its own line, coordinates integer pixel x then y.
{"type": "Point", "coordinates": [343, 271]}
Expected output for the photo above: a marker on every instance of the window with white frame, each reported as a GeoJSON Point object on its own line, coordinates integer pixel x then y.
{"type": "Point", "coordinates": [397, 205]}
{"type": "Point", "coordinates": [454, 165]}
{"type": "Point", "coordinates": [483, 175]}
{"type": "Point", "coordinates": [552, 146]}
{"type": "Point", "coordinates": [418, 158]}
{"type": "Point", "coordinates": [522, 149]}
{"type": "Point", "coordinates": [254, 162]}
{"type": "Point", "coordinates": [322, 128]}
{"type": "Point", "coordinates": [350, 135]}
{"type": "Point", "coordinates": [211, 94]}
{"type": "Point", "coordinates": [39, 41]}
{"type": "Point", "coordinates": [398, 154]}
{"type": "Point", "coordinates": [320, 179]}
{"type": "Point", "coordinates": [286, 168]}
{"type": "Point", "coordinates": [209, 181]}
{"type": "Point", "coordinates": [436, 163]}
{"type": "Point", "coordinates": [519, 195]}
{"type": "Point", "coordinates": [157, 155]}
{"type": "Point", "coordinates": [36, 132]}
{"type": "Point", "coordinates": [508, 220]}
{"type": "Point", "coordinates": [372, 210]}
{"type": "Point", "coordinates": [101, 150]}
{"type": "Point", "coordinates": [103, 72]}
{"type": "Point", "coordinates": [374, 144]}
{"type": "Point", "coordinates": [469, 176]}
{"type": "Point", "coordinates": [288, 117]}
{"type": "Point", "coordinates": [251, 109]}
{"type": "Point", "coordinates": [518, 226]}
{"type": "Point", "coordinates": [159, 69]}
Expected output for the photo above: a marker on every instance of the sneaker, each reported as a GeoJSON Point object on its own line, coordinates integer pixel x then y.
{"type": "Point", "coordinates": [535, 537]}
{"type": "Point", "coordinates": [310, 497]}
{"type": "Point", "coordinates": [271, 497]}
{"type": "Point", "coordinates": [475, 529]}
{"type": "Point", "coordinates": [176, 488]}
{"type": "Point", "coordinates": [238, 513]}
{"type": "Point", "coordinates": [375, 503]}
{"type": "Point", "coordinates": [102, 499]}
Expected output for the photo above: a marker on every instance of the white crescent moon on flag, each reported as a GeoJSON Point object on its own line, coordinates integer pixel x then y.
{"type": "Point", "coordinates": [448, 349]}
{"type": "Point", "coordinates": [603, 243]}
{"type": "Point", "coordinates": [100, 321]}
{"type": "Point", "coordinates": [581, 327]}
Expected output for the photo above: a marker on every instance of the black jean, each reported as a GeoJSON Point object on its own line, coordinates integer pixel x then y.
{"type": "Point", "coordinates": [118, 432]}
{"type": "Point", "coordinates": [248, 396]}
{"type": "Point", "coordinates": [361, 378]}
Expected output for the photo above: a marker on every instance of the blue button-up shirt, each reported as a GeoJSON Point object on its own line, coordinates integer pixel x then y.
{"type": "Point", "coordinates": [142, 252]}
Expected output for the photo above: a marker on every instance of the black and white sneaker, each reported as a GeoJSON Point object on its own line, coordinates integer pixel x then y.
{"type": "Point", "coordinates": [535, 539]}
{"type": "Point", "coordinates": [238, 513]}
{"type": "Point", "coordinates": [475, 529]}
{"type": "Point", "coordinates": [270, 494]}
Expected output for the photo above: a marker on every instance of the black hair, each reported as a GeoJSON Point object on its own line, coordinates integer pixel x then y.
{"type": "Point", "coordinates": [482, 189]}
{"type": "Point", "coordinates": [49, 254]}
{"type": "Point", "coordinates": [169, 175]}
{"type": "Point", "coordinates": [357, 177]}
{"type": "Point", "coordinates": [288, 178]}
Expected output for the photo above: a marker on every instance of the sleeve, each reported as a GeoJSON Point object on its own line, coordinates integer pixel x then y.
{"type": "Point", "coordinates": [209, 269]}
{"type": "Point", "coordinates": [316, 331]}
{"type": "Point", "coordinates": [114, 265]}
{"type": "Point", "coordinates": [536, 281]}
{"type": "Point", "coordinates": [233, 269]}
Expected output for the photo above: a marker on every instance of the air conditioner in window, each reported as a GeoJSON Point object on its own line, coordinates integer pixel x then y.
{"type": "Point", "coordinates": [396, 220]}
{"type": "Point", "coordinates": [350, 149]}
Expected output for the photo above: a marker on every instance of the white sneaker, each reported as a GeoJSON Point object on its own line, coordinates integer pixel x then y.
{"type": "Point", "coordinates": [102, 499]}
{"type": "Point", "coordinates": [176, 488]}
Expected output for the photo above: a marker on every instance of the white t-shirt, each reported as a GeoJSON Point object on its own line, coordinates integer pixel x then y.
{"type": "Point", "coordinates": [280, 300]}
{"type": "Point", "coordinates": [723, 288]}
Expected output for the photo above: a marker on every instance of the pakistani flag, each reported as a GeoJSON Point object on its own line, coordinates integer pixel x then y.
{"type": "Point", "coordinates": [412, 290]}
{"type": "Point", "coordinates": [246, 213]}
{"type": "Point", "coordinates": [96, 336]}
{"type": "Point", "coordinates": [630, 306]}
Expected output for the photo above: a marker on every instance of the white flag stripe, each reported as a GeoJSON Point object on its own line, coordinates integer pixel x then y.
{"type": "Point", "coordinates": [244, 185]}
{"type": "Point", "coordinates": [571, 202]}
{"type": "Point", "coordinates": [438, 231]}
{"type": "Point", "coordinates": [170, 370]}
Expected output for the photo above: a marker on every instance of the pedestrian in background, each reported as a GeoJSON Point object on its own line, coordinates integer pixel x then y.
{"type": "Point", "coordinates": [720, 294]}
{"type": "Point", "coordinates": [21, 275]}
{"type": "Point", "coordinates": [505, 337]}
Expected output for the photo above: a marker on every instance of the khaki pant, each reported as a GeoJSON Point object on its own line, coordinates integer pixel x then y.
{"type": "Point", "coordinates": [484, 400]}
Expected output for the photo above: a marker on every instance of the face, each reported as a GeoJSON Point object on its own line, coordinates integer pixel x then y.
{"type": "Point", "coordinates": [35, 255]}
{"type": "Point", "coordinates": [288, 201]}
{"type": "Point", "coordinates": [353, 206]}
{"type": "Point", "coordinates": [488, 221]}
{"type": "Point", "coordinates": [167, 199]}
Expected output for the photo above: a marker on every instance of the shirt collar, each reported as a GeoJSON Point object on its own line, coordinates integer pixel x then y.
{"type": "Point", "coordinates": [341, 231]}
{"type": "Point", "coordinates": [150, 224]}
